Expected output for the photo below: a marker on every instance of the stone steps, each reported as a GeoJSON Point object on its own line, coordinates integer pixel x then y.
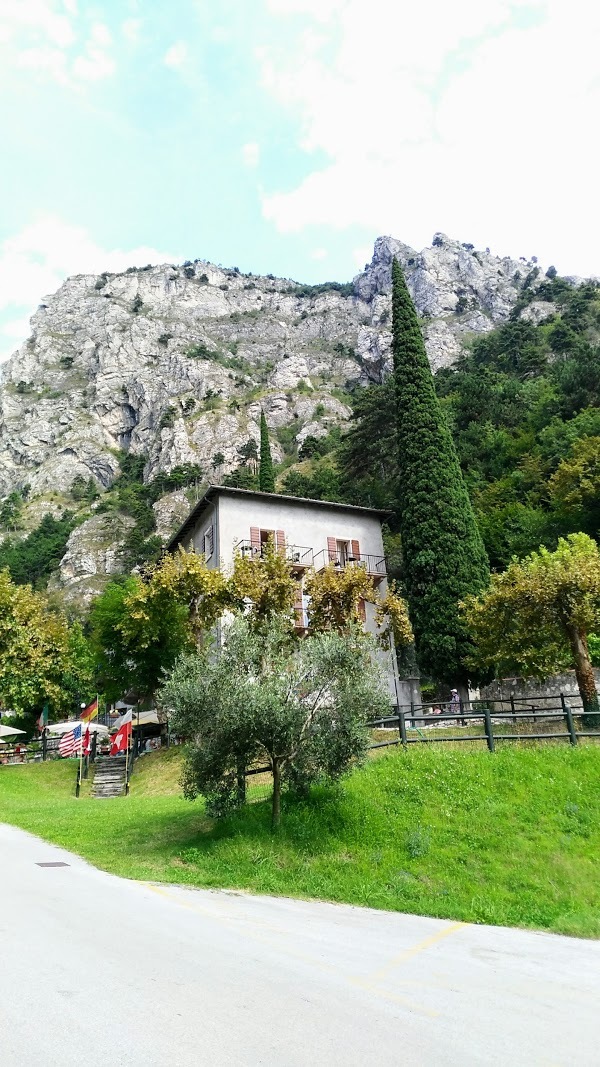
{"type": "Point", "coordinates": [109, 777]}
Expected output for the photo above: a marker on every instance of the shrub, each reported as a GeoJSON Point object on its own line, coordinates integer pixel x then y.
{"type": "Point", "coordinates": [199, 351]}
{"type": "Point", "coordinates": [167, 418]}
{"type": "Point", "coordinates": [137, 304]}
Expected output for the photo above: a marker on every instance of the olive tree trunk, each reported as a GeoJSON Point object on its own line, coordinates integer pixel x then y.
{"type": "Point", "coordinates": [584, 672]}
{"type": "Point", "coordinates": [276, 803]}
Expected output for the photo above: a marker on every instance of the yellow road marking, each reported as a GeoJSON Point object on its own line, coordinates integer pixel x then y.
{"type": "Point", "coordinates": [361, 983]}
{"type": "Point", "coordinates": [408, 953]}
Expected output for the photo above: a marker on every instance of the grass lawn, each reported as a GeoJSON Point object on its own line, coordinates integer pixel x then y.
{"type": "Point", "coordinates": [511, 838]}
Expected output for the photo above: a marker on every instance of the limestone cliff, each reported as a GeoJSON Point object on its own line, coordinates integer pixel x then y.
{"type": "Point", "coordinates": [175, 362]}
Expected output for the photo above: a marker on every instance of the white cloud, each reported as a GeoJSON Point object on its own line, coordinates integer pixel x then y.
{"type": "Point", "coordinates": [40, 17]}
{"type": "Point", "coordinates": [41, 36]}
{"type": "Point", "coordinates": [176, 56]}
{"type": "Point", "coordinates": [470, 118]}
{"type": "Point", "coordinates": [251, 154]}
{"type": "Point", "coordinates": [35, 262]}
{"type": "Point", "coordinates": [131, 29]}
{"type": "Point", "coordinates": [100, 35]}
{"type": "Point", "coordinates": [93, 65]}
{"type": "Point", "coordinates": [363, 255]}
{"type": "Point", "coordinates": [319, 253]}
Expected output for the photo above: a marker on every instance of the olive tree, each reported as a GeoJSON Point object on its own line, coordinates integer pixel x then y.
{"type": "Point", "coordinates": [301, 707]}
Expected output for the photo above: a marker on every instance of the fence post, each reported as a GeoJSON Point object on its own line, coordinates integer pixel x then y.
{"type": "Point", "coordinates": [401, 725]}
{"type": "Point", "coordinates": [412, 714]}
{"type": "Point", "coordinates": [512, 708]}
{"type": "Point", "coordinates": [569, 717]}
{"type": "Point", "coordinates": [489, 733]}
{"type": "Point", "coordinates": [44, 744]}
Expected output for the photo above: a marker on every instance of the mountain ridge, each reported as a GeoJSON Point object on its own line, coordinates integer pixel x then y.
{"type": "Point", "coordinates": [174, 364]}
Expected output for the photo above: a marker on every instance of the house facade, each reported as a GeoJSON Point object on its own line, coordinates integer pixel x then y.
{"type": "Point", "coordinates": [311, 534]}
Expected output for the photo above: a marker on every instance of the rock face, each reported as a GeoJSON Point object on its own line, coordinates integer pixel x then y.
{"type": "Point", "coordinates": [175, 362]}
{"type": "Point", "coordinates": [92, 556]}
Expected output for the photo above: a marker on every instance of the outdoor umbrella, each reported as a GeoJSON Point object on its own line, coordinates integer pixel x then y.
{"type": "Point", "coordinates": [64, 727]}
{"type": "Point", "coordinates": [8, 731]}
{"type": "Point", "coordinates": [142, 718]}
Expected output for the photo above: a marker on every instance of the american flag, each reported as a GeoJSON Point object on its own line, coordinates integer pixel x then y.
{"type": "Point", "coordinates": [70, 743]}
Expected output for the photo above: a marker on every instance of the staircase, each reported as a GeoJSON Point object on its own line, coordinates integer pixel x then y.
{"type": "Point", "coordinates": [109, 777]}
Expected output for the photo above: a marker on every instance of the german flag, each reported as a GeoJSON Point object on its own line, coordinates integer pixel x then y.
{"type": "Point", "coordinates": [90, 712]}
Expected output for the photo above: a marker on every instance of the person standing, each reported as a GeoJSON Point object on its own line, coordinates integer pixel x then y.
{"type": "Point", "coordinates": [455, 705]}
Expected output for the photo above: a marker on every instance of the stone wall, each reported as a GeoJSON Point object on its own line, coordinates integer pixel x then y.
{"type": "Point", "coordinates": [544, 693]}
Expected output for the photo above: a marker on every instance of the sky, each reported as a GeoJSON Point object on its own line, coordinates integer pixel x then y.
{"type": "Point", "coordinates": [284, 136]}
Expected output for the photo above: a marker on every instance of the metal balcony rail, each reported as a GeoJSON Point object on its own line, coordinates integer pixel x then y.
{"type": "Point", "coordinates": [297, 555]}
{"type": "Point", "coordinates": [374, 565]}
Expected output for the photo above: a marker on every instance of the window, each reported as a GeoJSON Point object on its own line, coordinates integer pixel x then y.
{"type": "Point", "coordinates": [342, 552]}
{"type": "Point", "coordinates": [208, 542]}
{"type": "Point", "coordinates": [259, 539]}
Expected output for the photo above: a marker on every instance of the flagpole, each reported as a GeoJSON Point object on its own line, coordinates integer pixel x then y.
{"type": "Point", "coordinates": [127, 765]}
{"type": "Point", "coordinates": [80, 750]}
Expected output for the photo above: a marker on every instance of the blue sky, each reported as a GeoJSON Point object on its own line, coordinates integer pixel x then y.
{"type": "Point", "coordinates": [284, 135]}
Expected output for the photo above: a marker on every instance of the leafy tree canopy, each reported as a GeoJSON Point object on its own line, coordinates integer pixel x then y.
{"type": "Point", "coordinates": [44, 658]}
{"type": "Point", "coordinates": [300, 706]}
{"type": "Point", "coordinates": [536, 616]}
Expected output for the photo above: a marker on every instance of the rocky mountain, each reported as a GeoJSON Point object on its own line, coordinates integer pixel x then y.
{"type": "Point", "coordinates": [175, 362]}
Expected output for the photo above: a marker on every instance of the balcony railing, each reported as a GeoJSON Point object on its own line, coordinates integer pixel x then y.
{"type": "Point", "coordinates": [300, 558]}
{"type": "Point", "coordinates": [374, 565]}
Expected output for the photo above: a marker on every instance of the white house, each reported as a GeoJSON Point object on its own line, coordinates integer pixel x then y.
{"type": "Point", "coordinates": [312, 533]}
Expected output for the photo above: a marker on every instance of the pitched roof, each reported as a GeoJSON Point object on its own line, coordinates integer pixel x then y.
{"type": "Point", "coordinates": [215, 490]}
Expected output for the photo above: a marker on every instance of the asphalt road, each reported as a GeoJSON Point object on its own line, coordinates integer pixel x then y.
{"type": "Point", "coordinates": [97, 970]}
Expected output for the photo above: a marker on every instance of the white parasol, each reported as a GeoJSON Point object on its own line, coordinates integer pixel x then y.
{"type": "Point", "coordinates": [8, 731]}
{"type": "Point", "coordinates": [64, 727]}
{"type": "Point", "coordinates": [142, 718]}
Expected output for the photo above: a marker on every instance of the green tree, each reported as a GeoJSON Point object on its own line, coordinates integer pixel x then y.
{"type": "Point", "coordinates": [43, 657]}
{"type": "Point", "coordinates": [301, 706]}
{"type": "Point", "coordinates": [266, 477]}
{"type": "Point", "coordinates": [444, 557]}
{"type": "Point", "coordinates": [135, 639]}
{"type": "Point", "coordinates": [535, 618]}
{"type": "Point", "coordinates": [35, 557]}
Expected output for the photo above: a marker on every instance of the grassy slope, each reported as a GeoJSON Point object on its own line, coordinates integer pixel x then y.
{"type": "Point", "coordinates": [511, 839]}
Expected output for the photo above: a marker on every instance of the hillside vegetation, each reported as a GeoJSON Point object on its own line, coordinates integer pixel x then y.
{"type": "Point", "coordinates": [511, 838]}
{"type": "Point", "coordinates": [523, 403]}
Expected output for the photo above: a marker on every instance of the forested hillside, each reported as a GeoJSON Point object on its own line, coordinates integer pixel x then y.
{"type": "Point", "coordinates": [523, 403]}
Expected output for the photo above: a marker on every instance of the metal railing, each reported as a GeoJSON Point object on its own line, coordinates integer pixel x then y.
{"type": "Point", "coordinates": [299, 556]}
{"type": "Point", "coordinates": [374, 565]}
{"type": "Point", "coordinates": [416, 723]}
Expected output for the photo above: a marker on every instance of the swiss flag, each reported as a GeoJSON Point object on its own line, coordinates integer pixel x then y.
{"type": "Point", "coordinates": [87, 747]}
{"type": "Point", "coordinates": [120, 740]}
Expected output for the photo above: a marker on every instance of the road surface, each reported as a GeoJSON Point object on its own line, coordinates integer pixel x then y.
{"type": "Point", "coordinates": [97, 970]}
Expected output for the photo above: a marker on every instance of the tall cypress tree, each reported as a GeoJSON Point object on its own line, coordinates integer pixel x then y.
{"type": "Point", "coordinates": [444, 557]}
{"type": "Point", "coordinates": [266, 477]}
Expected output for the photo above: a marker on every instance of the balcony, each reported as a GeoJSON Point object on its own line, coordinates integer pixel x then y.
{"type": "Point", "coordinates": [300, 559]}
{"type": "Point", "coordinates": [374, 565]}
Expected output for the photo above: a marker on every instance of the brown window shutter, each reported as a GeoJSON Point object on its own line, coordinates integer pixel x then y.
{"type": "Point", "coordinates": [355, 545]}
{"type": "Point", "coordinates": [280, 541]}
{"type": "Point", "coordinates": [255, 540]}
{"type": "Point", "coordinates": [362, 610]}
{"type": "Point", "coordinates": [331, 548]}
